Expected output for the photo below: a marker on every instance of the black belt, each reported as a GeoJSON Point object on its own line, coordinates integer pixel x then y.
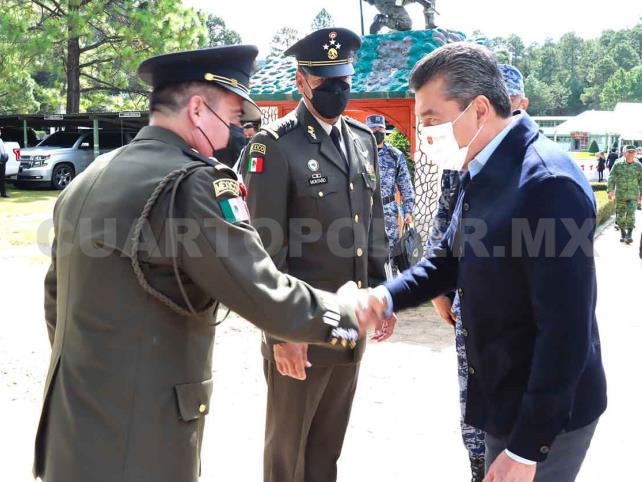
{"type": "Point", "coordinates": [388, 199]}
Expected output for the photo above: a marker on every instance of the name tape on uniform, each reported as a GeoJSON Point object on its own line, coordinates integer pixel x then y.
{"type": "Point", "coordinates": [226, 186]}
{"type": "Point", "coordinates": [258, 147]}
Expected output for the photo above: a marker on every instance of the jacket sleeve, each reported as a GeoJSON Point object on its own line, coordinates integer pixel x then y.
{"type": "Point", "coordinates": [267, 197]}
{"type": "Point", "coordinates": [562, 293]}
{"type": "Point", "coordinates": [431, 277]}
{"type": "Point", "coordinates": [378, 251]}
{"type": "Point", "coordinates": [51, 282]}
{"type": "Point", "coordinates": [404, 184]}
{"type": "Point", "coordinates": [51, 292]}
{"type": "Point", "coordinates": [227, 261]}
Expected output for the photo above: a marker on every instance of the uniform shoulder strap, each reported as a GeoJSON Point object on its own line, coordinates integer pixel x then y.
{"type": "Point", "coordinates": [282, 126]}
{"type": "Point", "coordinates": [170, 182]}
{"type": "Point", "coordinates": [357, 125]}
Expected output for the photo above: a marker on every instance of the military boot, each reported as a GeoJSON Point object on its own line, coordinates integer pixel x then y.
{"type": "Point", "coordinates": [379, 21]}
{"type": "Point", "coordinates": [477, 469]}
{"type": "Point", "coordinates": [622, 235]}
{"type": "Point", "coordinates": [629, 234]}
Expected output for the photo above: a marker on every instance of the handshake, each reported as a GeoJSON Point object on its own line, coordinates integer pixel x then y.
{"type": "Point", "coordinates": [370, 308]}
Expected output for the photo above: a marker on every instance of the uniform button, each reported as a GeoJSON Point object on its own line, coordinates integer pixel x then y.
{"type": "Point", "coordinates": [471, 370]}
{"type": "Point", "coordinates": [320, 193]}
{"type": "Point", "coordinates": [464, 331]}
{"type": "Point", "coordinates": [466, 207]}
{"type": "Point", "coordinates": [202, 408]}
{"type": "Point", "coordinates": [359, 284]}
{"type": "Point", "coordinates": [351, 187]}
{"type": "Point", "coordinates": [356, 218]}
{"type": "Point", "coordinates": [544, 449]}
{"type": "Point", "coordinates": [461, 292]}
{"type": "Point", "coordinates": [359, 252]}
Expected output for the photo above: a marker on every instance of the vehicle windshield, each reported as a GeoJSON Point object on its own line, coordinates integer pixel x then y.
{"type": "Point", "coordinates": [60, 139]}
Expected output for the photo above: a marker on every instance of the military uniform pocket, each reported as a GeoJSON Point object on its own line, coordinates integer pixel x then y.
{"type": "Point", "coordinates": [193, 399]}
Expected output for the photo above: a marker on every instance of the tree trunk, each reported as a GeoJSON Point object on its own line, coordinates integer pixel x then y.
{"type": "Point", "coordinates": [73, 76]}
{"type": "Point", "coordinates": [73, 59]}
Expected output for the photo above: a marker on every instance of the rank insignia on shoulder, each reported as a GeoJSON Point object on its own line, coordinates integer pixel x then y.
{"type": "Point", "coordinates": [234, 210]}
{"type": "Point", "coordinates": [255, 164]}
{"type": "Point", "coordinates": [258, 147]}
{"type": "Point", "coordinates": [226, 186]}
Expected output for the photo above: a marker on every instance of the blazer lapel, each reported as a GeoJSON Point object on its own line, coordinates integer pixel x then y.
{"type": "Point", "coordinates": [357, 155]}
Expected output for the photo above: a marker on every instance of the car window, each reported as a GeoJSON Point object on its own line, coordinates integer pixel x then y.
{"type": "Point", "coordinates": [60, 139]}
{"type": "Point", "coordinates": [111, 140]}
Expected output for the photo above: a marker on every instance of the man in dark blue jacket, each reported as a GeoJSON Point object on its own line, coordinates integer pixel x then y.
{"type": "Point", "coordinates": [519, 254]}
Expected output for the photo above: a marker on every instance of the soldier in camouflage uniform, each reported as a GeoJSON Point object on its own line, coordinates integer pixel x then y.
{"type": "Point", "coordinates": [394, 174]}
{"type": "Point", "coordinates": [626, 179]}
{"type": "Point", "coordinates": [474, 439]}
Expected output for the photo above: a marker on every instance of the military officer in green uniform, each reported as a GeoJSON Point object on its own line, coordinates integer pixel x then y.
{"type": "Point", "coordinates": [625, 185]}
{"type": "Point", "coordinates": [148, 241]}
{"type": "Point", "coordinates": [313, 194]}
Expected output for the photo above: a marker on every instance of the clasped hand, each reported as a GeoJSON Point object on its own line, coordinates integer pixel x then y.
{"type": "Point", "coordinates": [370, 306]}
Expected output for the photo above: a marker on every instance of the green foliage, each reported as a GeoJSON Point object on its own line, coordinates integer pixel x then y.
{"type": "Point", "coordinates": [219, 34]}
{"type": "Point", "coordinates": [605, 207]}
{"type": "Point", "coordinates": [623, 86]}
{"type": "Point", "coordinates": [398, 140]}
{"type": "Point", "coordinates": [95, 45]}
{"type": "Point", "coordinates": [571, 75]}
{"type": "Point", "coordinates": [594, 148]}
{"type": "Point", "coordinates": [283, 39]}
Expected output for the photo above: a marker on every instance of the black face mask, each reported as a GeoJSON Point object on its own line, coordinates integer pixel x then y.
{"type": "Point", "coordinates": [230, 153]}
{"type": "Point", "coordinates": [331, 97]}
{"type": "Point", "coordinates": [379, 137]}
{"type": "Point", "coordinates": [230, 138]}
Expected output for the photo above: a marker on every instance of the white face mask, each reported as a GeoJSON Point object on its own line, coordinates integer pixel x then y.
{"type": "Point", "coordinates": [440, 145]}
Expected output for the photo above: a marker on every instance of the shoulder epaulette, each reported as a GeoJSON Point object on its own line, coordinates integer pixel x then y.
{"type": "Point", "coordinates": [282, 126]}
{"type": "Point", "coordinates": [217, 165]}
{"type": "Point", "coordinates": [197, 156]}
{"type": "Point", "coordinates": [357, 124]}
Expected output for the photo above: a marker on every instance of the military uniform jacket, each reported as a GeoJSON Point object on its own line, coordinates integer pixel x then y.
{"type": "Point", "coordinates": [129, 382]}
{"type": "Point", "coordinates": [626, 179]}
{"type": "Point", "coordinates": [320, 221]}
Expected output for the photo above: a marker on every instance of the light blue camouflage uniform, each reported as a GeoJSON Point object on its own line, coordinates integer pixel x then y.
{"type": "Point", "coordinates": [474, 439]}
{"type": "Point", "coordinates": [394, 175]}
{"type": "Point", "coordinates": [513, 80]}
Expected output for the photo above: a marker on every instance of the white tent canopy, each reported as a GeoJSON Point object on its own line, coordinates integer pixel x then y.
{"type": "Point", "coordinates": [624, 122]}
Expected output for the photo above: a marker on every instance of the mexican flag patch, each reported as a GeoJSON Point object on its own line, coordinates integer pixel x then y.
{"type": "Point", "coordinates": [234, 210]}
{"type": "Point", "coordinates": [255, 164]}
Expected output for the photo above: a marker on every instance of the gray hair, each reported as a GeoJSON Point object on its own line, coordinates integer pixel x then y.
{"type": "Point", "coordinates": [468, 70]}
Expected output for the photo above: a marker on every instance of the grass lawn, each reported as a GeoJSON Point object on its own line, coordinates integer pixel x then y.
{"type": "Point", "coordinates": [24, 214]}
